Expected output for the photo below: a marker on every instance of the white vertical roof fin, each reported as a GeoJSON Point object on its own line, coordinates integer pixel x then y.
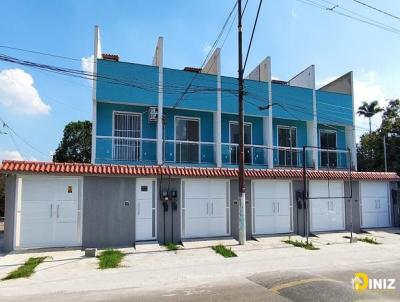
{"type": "Point", "coordinates": [158, 54]}
{"type": "Point", "coordinates": [262, 72]}
{"type": "Point", "coordinates": [343, 84]}
{"type": "Point", "coordinates": [305, 79]}
{"type": "Point", "coordinates": [213, 65]}
{"type": "Point", "coordinates": [97, 42]}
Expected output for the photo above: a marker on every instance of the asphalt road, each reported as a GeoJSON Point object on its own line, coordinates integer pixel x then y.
{"type": "Point", "coordinates": [326, 286]}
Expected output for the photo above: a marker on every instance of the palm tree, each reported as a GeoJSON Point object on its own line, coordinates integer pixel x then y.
{"type": "Point", "coordinates": [369, 110]}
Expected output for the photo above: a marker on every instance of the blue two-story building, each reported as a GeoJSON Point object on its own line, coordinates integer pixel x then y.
{"type": "Point", "coordinates": [165, 158]}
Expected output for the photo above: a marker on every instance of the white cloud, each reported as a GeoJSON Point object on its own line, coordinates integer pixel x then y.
{"type": "Point", "coordinates": [10, 155]}
{"type": "Point", "coordinates": [293, 13]}
{"type": "Point", "coordinates": [18, 93]}
{"type": "Point", "coordinates": [366, 88]}
{"type": "Point", "coordinates": [87, 64]}
{"type": "Point", "coordinates": [206, 47]}
{"type": "Point", "coordinates": [14, 155]}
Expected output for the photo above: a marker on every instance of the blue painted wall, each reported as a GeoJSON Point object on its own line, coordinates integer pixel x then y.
{"type": "Point", "coordinates": [206, 133]}
{"type": "Point", "coordinates": [334, 108]}
{"type": "Point", "coordinates": [293, 103]}
{"type": "Point", "coordinates": [202, 94]}
{"type": "Point", "coordinates": [127, 82]}
{"type": "Point", "coordinates": [256, 95]}
{"type": "Point", "coordinates": [138, 87]}
{"type": "Point", "coordinates": [105, 126]}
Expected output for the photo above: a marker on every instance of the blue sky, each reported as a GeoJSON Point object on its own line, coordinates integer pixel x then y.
{"type": "Point", "coordinates": [37, 105]}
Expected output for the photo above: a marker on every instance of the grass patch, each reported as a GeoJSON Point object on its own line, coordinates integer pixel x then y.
{"type": "Point", "coordinates": [369, 240]}
{"type": "Point", "coordinates": [297, 243]}
{"type": "Point", "coordinates": [25, 270]}
{"type": "Point", "coordinates": [224, 251]}
{"type": "Point", "coordinates": [171, 246]}
{"type": "Point", "coordinates": [110, 259]}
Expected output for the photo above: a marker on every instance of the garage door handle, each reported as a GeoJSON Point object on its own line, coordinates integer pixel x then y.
{"type": "Point", "coordinates": [212, 208]}
{"type": "Point", "coordinates": [58, 211]}
{"type": "Point", "coordinates": [273, 207]}
{"type": "Point", "coordinates": [207, 207]}
{"type": "Point", "coordinates": [278, 206]}
{"type": "Point", "coordinates": [51, 210]}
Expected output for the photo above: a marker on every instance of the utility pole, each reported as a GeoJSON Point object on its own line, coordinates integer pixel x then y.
{"type": "Point", "coordinates": [384, 151]}
{"type": "Point", "coordinates": [242, 198]}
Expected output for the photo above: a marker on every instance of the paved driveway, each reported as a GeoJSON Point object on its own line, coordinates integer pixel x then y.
{"type": "Point", "coordinates": [264, 270]}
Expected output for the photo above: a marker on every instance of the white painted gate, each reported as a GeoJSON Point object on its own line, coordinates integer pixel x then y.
{"type": "Point", "coordinates": [145, 209]}
{"type": "Point", "coordinates": [271, 207]}
{"type": "Point", "coordinates": [374, 204]}
{"type": "Point", "coordinates": [327, 212]}
{"type": "Point", "coordinates": [48, 212]}
{"type": "Point", "coordinates": [205, 208]}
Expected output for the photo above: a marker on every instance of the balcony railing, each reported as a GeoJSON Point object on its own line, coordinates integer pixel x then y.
{"type": "Point", "coordinates": [124, 150]}
{"type": "Point", "coordinates": [333, 159]}
{"type": "Point", "coordinates": [189, 152]}
{"type": "Point", "coordinates": [255, 155]}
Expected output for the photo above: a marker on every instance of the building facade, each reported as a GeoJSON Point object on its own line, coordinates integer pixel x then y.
{"type": "Point", "coordinates": [165, 158]}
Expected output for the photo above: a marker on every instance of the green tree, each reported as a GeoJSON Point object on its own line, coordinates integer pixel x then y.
{"type": "Point", "coordinates": [76, 144]}
{"type": "Point", "coordinates": [369, 110]}
{"type": "Point", "coordinates": [370, 152]}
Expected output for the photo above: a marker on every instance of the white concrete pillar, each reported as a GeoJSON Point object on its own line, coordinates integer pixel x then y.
{"type": "Point", "coordinates": [96, 55]}
{"type": "Point", "coordinates": [269, 129]}
{"type": "Point", "coordinates": [306, 79]}
{"type": "Point", "coordinates": [263, 73]}
{"type": "Point", "coordinates": [158, 61]}
{"type": "Point", "coordinates": [213, 66]}
{"type": "Point", "coordinates": [351, 141]}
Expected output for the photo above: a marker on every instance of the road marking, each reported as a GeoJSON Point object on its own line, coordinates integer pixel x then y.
{"type": "Point", "coordinates": [276, 289]}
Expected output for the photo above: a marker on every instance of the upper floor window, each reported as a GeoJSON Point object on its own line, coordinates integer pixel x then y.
{"type": "Point", "coordinates": [328, 141]}
{"type": "Point", "coordinates": [287, 143]}
{"type": "Point", "coordinates": [127, 131]}
{"type": "Point", "coordinates": [187, 137]}
{"type": "Point", "coordinates": [234, 140]}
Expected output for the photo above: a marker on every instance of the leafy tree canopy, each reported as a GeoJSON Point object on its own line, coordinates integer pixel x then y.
{"type": "Point", "coordinates": [370, 150]}
{"type": "Point", "coordinates": [76, 144]}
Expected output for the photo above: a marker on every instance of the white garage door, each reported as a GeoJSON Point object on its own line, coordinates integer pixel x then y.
{"type": "Point", "coordinates": [205, 208]}
{"type": "Point", "coordinates": [271, 207]}
{"type": "Point", "coordinates": [327, 212]}
{"type": "Point", "coordinates": [374, 204]}
{"type": "Point", "coordinates": [48, 212]}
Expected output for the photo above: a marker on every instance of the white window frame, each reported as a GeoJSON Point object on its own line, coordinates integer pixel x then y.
{"type": "Point", "coordinates": [251, 138]}
{"type": "Point", "coordinates": [187, 118]}
{"type": "Point", "coordinates": [336, 143]}
{"type": "Point", "coordinates": [277, 137]}
{"type": "Point", "coordinates": [113, 129]}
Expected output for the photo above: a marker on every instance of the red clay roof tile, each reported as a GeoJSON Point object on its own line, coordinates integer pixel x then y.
{"type": "Point", "coordinates": [9, 166]}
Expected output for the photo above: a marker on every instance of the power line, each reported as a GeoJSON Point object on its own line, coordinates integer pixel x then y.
{"type": "Point", "coordinates": [252, 35]}
{"type": "Point", "coordinates": [208, 55]}
{"type": "Point", "coordinates": [377, 9]}
{"type": "Point", "coordinates": [361, 18]}
{"type": "Point", "coordinates": [21, 138]}
{"type": "Point", "coordinates": [42, 53]}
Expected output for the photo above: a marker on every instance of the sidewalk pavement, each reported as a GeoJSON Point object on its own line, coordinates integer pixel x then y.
{"type": "Point", "coordinates": [68, 271]}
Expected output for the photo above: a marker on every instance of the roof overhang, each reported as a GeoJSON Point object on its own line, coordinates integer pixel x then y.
{"type": "Point", "coordinates": [26, 167]}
